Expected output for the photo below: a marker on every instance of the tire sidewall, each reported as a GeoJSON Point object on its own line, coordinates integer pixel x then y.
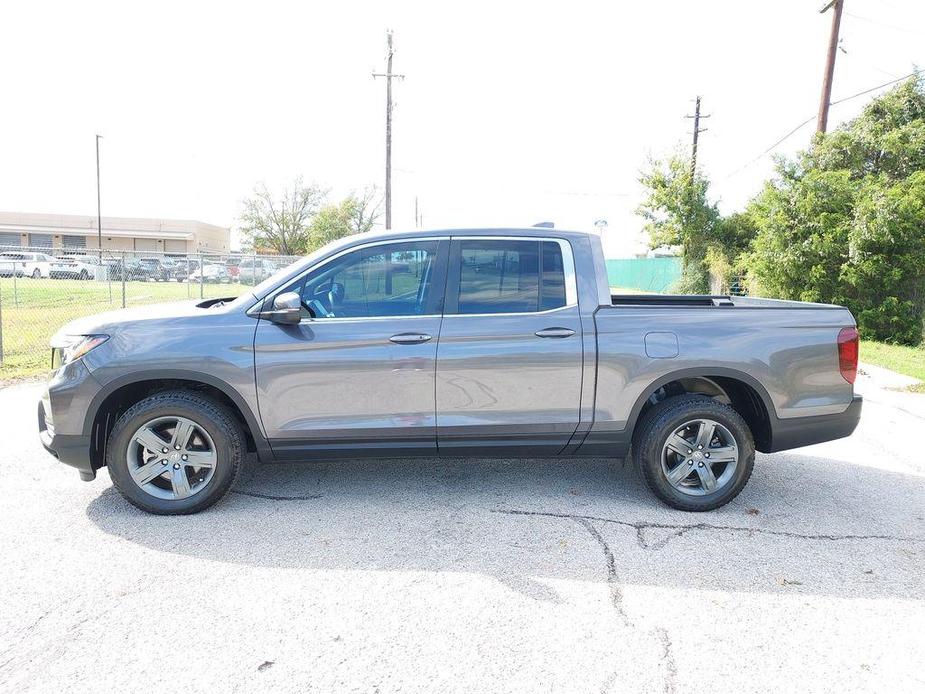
{"type": "Point", "coordinates": [663, 424]}
{"type": "Point", "coordinates": [226, 451]}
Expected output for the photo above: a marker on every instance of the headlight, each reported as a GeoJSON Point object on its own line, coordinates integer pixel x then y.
{"type": "Point", "coordinates": [69, 348]}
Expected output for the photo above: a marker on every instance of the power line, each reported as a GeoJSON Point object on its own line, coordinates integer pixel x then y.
{"type": "Point", "coordinates": [808, 120]}
{"type": "Point", "coordinates": [879, 86]}
{"type": "Point", "coordinates": [885, 25]}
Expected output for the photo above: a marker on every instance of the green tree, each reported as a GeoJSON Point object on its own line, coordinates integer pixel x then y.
{"type": "Point", "coordinates": [885, 274]}
{"type": "Point", "coordinates": [281, 224]}
{"type": "Point", "coordinates": [678, 213]}
{"type": "Point", "coordinates": [354, 214]}
{"type": "Point", "coordinates": [844, 221]}
{"type": "Point", "coordinates": [803, 219]}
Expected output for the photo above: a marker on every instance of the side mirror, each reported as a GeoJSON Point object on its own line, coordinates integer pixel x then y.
{"type": "Point", "coordinates": [287, 309]}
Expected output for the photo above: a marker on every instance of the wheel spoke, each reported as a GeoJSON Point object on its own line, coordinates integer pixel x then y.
{"type": "Point", "coordinates": [679, 473]}
{"type": "Point", "coordinates": [707, 478]}
{"type": "Point", "coordinates": [179, 482]}
{"type": "Point", "coordinates": [679, 445]}
{"type": "Point", "coordinates": [182, 433]}
{"type": "Point", "coordinates": [147, 438]}
{"type": "Point", "coordinates": [724, 454]}
{"type": "Point", "coordinates": [200, 458]}
{"type": "Point", "coordinates": [145, 473]}
{"type": "Point", "coordinates": [705, 435]}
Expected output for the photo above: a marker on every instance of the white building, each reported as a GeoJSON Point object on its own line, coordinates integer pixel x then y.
{"type": "Point", "coordinates": [178, 236]}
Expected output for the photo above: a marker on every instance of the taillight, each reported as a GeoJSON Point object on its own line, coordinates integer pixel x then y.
{"type": "Point", "coordinates": [848, 353]}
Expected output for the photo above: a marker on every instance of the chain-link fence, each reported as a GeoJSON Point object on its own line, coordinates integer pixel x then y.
{"type": "Point", "coordinates": [41, 289]}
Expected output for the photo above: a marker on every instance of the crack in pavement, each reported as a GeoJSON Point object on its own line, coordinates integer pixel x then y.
{"type": "Point", "coordinates": [640, 527]}
{"type": "Point", "coordinates": [271, 497]}
{"type": "Point", "coordinates": [616, 592]}
{"type": "Point", "coordinates": [671, 668]}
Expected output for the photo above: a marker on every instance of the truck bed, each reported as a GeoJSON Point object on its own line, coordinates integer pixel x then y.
{"type": "Point", "coordinates": [709, 301]}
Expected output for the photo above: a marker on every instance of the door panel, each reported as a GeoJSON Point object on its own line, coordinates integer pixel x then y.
{"type": "Point", "coordinates": [356, 375]}
{"type": "Point", "coordinates": [326, 384]}
{"type": "Point", "coordinates": [507, 379]}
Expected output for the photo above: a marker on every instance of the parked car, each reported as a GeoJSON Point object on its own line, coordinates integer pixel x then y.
{"type": "Point", "coordinates": [130, 268]}
{"type": "Point", "coordinates": [337, 356]}
{"type": "Point", "coordinates": [210, 272]}
{"type": "Point", "coordinates": [254, 270]}
{"type": "Point", "coordinates": [25, 264]}
{"type": "Point", "coordinates": [233, 267]}
{"type": "Point", "coordinates": [75, 266]}
{"type": "Point", "coordinates": [183, 268]}
{"type": "Point", "coordinates": [158, 269]}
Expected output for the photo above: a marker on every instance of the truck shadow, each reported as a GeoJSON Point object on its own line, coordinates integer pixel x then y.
{"type": "Point", "coordinates": [804, 524]}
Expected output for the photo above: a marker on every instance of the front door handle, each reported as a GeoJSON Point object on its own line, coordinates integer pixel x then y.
{"type": "Point", "coordinates": [410, 338]}
{"type": "Point", "coordinates": [555, 332]}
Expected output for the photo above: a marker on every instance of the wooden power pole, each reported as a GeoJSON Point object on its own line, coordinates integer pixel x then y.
{"type": "Point", "coordinates": [388, 74]}
{"type": "Point", "coordinates": [823, 119]}
{"type": "Point", "coordinates": [697, 131]}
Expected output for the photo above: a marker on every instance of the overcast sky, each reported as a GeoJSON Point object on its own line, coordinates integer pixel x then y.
{"type": "Point", "coordinates": [511, 113]}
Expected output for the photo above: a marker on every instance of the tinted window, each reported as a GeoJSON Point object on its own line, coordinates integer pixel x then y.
{"type": "Point", "coordinates": [553, 277]}
{"type": "Point", "coordinates": [393, 279]}
{"type": "Point", "coordinates": [510, 276]}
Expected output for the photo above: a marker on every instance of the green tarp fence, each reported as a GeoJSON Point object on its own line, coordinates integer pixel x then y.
{"type": "Point", "coordinates": [644, 274]}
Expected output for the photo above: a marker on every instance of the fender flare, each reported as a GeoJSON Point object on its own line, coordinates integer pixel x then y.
{"type": "Point", "coordinates": [252, 422]}
{"type": "Point", "coordinates": [703, 372]}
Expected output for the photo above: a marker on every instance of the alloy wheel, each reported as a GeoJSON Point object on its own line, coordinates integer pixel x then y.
{"type": "Point", "coordinates": [171, 457]}
{"type": "Point", "coordinates": [700, 457]}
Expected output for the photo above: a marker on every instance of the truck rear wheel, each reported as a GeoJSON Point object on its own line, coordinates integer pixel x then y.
{"type": "Point", "coordinates": [696, 453]}
{"type": "Point", "coordinates": [175, 452]}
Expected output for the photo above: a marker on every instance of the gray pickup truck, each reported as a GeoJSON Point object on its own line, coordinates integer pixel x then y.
{"type": "Point", "coordinates": [501, 342]}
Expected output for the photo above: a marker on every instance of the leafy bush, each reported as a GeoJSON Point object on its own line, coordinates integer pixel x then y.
{"type": "Point", "coordinates": [845, 221]}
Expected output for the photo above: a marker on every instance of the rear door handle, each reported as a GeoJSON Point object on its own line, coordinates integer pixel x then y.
{"type": "Point", "coordinates": [410, 338]}
{"type": "Point", "coordinates": [555, 332]}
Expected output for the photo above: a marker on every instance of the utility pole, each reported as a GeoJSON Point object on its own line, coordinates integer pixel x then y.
{"type": "Point", "coordinates": [823, 120]}
{"type": "Point", "coordinates": [99, 218]}
{"type": "Point", "coordinates": [697, 131]}
{"type": "Point", "coordinates": [416, 223]}
{"type": "Point", "coordinates": [388, 74]}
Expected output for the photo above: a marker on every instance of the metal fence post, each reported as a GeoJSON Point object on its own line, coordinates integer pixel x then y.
{"type": "Point", "coordinates": [202, 275]}
{"type": "Point", "coordinates": [1, 322]}
{"type": "Point", "coordinates": [123, 279]}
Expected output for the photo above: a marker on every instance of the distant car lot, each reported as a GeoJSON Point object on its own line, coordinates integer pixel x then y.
{"type": "Point", "coordinates": [467, 575]}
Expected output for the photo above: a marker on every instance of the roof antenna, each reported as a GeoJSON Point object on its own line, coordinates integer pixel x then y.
{"type": "Point", "coordinates": [545, 225]}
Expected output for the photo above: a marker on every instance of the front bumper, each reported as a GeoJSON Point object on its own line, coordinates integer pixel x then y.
{"type": "Point", "coordinates": [61, 418]}
{"type": "Point", "coordinates": [73, 450]}
{"type": "Point", "coordinates": [805, 431]}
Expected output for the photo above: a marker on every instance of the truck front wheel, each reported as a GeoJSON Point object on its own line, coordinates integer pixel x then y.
{"type": "Point", "coordinates": [175, 452]}
{"type": "Point", "coordinates": [696, 453]}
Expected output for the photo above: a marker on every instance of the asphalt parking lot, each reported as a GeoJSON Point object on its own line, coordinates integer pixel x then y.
{"type": "Point", "coordinates": [470, 575]}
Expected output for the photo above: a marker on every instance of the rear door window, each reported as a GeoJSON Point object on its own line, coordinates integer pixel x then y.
{"type": "Point", "coordinates": [507, 276]}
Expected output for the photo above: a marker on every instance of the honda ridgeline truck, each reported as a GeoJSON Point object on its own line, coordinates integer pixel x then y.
{"type": "Point", "coordinates": [501, 342]}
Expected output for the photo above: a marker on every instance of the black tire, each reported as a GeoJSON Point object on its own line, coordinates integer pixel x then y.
{"type": "Point", "coordinates": [213, 417]}
{"type": "Point", "coordinates": [662, 420]}
{"type": "Point", "coordinates": [36, 274]}
{"type": "Point", "coordinates": [84, 275]}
